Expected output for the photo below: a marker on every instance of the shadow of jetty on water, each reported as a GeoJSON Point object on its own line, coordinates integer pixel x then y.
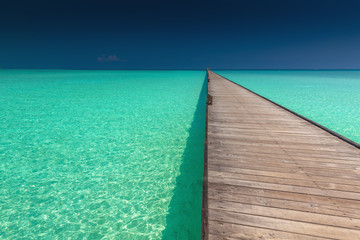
{"type": "Point", "coordinates": [184, 218]}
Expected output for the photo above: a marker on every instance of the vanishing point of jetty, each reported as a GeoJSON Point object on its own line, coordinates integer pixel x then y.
{"type": "Point", "coordinates": [270, 174]}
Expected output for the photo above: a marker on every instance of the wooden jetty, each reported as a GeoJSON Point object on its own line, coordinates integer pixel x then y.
{"type": "Point", "coordinates": [270, 174]}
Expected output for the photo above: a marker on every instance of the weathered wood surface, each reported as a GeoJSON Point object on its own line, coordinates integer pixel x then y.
{"type": "Point", "coordinates": [273, 175]}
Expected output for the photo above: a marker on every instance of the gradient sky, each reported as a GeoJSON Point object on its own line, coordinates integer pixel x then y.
{"type": "Point", "coordinates": [226, 34]}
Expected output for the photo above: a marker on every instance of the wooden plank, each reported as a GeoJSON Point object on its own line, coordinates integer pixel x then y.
{"type": "Point", "coordinates": [338, 203]}
{"type": "Point", "coordinates": [302, 204]}
{"type": "Point", "coordinates": [286, 188]}
{"type": "Point", "coordinates": [285, 166]}
{"type": "Point", "coordinates": [288, 214]}
{"type": "Point", "coordinates": [275, 175]}
{"type": "Point", "coordinates": [296, 227]}
{"type": "Point", "coordinates": [297, 179]}
{"type": "Point", "coordinates": [228, 231]}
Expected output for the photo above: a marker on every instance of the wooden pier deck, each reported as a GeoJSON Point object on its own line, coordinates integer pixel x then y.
{"type": "Point", "coordinates": [273, 175]}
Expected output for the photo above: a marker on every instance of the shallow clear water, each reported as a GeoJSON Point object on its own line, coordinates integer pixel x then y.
{"type": "Point", "coordinates": [331, 98]}
{"type": "Point", "coordinates": [101, 154]}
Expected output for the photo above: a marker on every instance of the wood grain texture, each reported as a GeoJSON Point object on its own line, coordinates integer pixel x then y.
{"type": "Point", "coordinates": [274, 175]}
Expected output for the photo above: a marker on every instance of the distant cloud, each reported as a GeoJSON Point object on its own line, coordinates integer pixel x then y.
{"type": "Point", "coordinates": [110, 58]}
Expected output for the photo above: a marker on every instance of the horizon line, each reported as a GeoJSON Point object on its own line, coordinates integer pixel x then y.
{"type": "Point", "coordinates": [189, 69]}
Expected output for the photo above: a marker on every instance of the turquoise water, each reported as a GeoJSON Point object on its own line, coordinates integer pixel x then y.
{"type": "Point", "coordinates": [331, 98]}
{"type": "Point", "coordinates": [101, 154]}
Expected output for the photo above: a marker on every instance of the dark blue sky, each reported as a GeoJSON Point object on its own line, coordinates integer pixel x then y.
{"type": "Point", "coordinates": [227, 34]}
